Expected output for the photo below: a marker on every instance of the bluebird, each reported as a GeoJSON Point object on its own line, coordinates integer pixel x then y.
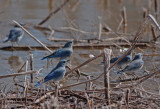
{"type": "Point", "coordinates": [136, 64]}
{"type": "Point", "coordinates": [56, 74]}
{"type": "Point", "coordinates": [64, 52]}
{"type": "Point", "coordinates": [15, 35]}
{"type": "Point", "coordinates": [123, 62]}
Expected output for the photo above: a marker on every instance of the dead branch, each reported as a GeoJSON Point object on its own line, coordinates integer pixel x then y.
{"type": "Point", "coordinates": [100, 29]}
{"type": "Point", "coordinates": [107, 54]}
{"type": "Point", "coordinates": [44, 28]}
{"type": "Point", "coordinates": [154, 33]}
{"type": "Point", "coordinates": [139, 82]}
{"type": "Point", "coordinates": [42, 98]}
{"type": "Point", "coordinates": [54, 12]}
{"type": "Point", "coordinates": [17, 74]}
{"type": "Point", "coordinates": [80, 46]}
{"type": "Point", "coordinates": [156, 8]}
{"type": "Point", "coordinates": [31, 67]}
{"type": "Point", "coordinates": [154, 21]}
{"type": "Point", "coordinates": [32, 36]}
{"type": "Point", "coordinates": [124, 16]}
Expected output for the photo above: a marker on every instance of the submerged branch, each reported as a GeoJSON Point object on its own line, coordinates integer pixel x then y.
{"type": "Point", "coordinates": [85, 46]}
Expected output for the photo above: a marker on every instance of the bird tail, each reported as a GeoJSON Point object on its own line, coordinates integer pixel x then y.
{"type": "Point", "coordinates": [38, 84]}
{"type": "Point", "coordinates": [6, 40]}
{"type": "Point", "coordinates": [44, 58]}
{"type": "Point", "coordinates": [102, 63]}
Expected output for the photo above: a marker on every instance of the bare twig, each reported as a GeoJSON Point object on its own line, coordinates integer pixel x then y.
{"type": "Point", "coordinates": [127, 97]}
{"type": "Point", "coordinates": [56, 90]}
{"type": "Point", "coordinates": [21, 67]}
{"type": "Point", "coordinates": [52, 32]}
{"type": "Point", "coordinates": [25, 77]}
{"type": "Point", "coordinates": [120, 24]}
{"type": "Point", "coordinates": [54, 12]}
{"type": "Point", "coordinates": [31, 67]}
{"type": "Point", "coordinates": [32, 36]}
{"type": "Point", "coordinates": [154, 33]}
{"type": "Point", "coordinates": [107, 54]}
{"type": "Point", "coordinates": [149, 6]}
{"type": "Point", "coordinates": [139, 82]}
{"type": "Point", "coordinates": [152, 54]}
{"type": "Point", "coordinates": [25, 83]}
{"type": "Point", "coordinates": [40, 27]}
{"type": "Point", "coordinates": [43, 97]}
{"type": "Point", "coordinates": [156, 8]}
{"type": "Point", "coordinates": [79, 46]}
{"type": "Point", "coordinates": [144, 13]}
{"type": "Point", "coordinates": [154, 21]}
{"type": "Point", "coordinates": [124, 16]}
{"type": "Point", "coordinates": [100, 29]}
{"type": "Point", "coordinates": [17, 74]}
{"type": "Point", "coordinates": [89, 101]}
{"type": "Point", "coordinates": [75, 5]}
{"type": "Point", "coordinates": [77, 30]}
{"type": "Point", "coordinates": [107, 28]}
{"type": "Point", "coordinates": [19, 70]}
{"type": "Point", "coordinates": [147, 77]}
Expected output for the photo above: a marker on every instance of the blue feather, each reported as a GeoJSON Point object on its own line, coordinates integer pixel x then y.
{"type": "Point", "coordinates": [15, 35]}
{"type": "Point", "coordinates": [121, 63]}
{"type": "Point", "coordinates": [136, 64]}
{"type": "Point", "coordinates": [56, 74]}
{"type": "Point", "coordinates": [65, 51]}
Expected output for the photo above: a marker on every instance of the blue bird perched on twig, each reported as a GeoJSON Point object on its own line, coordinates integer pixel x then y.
{"type": "Point", "coordinates": [64, 52]}
{"type": "Point", "coordinates": [56, 74]}
{"type": "Point", "coordinates": [15, 35]}
{"type": "Point", "coordinates": [123, 62]}
{"type": "Point", "coordinates": [136, 64]}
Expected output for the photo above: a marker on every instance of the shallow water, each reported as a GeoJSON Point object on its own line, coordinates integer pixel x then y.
{"type": "Point", "coordinates": [84, 15]}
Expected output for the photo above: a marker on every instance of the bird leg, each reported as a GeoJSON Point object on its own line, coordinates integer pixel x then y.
{"type": "Point", "coordinates": [132, 74]}
{"type": "Point", "coordinates": [12, 44]}
{"type": "Point", "coordinates": [16, 44]}
{"type": "Point", "coordinates": [146, 71]}
{"type": "Point", "coordinates": [124, 75]}
{"type": "Point", "coordinates": [120, 67]}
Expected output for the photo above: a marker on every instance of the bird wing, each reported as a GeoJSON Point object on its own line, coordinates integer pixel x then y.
{"type": "Point", "coordinates": [15, 32]}
{"type": "Point", "coordinates": [127, 58]}
{"type": "Point", "coordinates": [114, 59]}
{"type": "Point", "coordinates": [134, 65]}
{"type": "Point", "coordinates": [60, 53]}
{"type": "Point", "coordinates": [55, 74]}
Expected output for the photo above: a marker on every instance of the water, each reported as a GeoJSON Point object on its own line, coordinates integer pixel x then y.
{"type": "Point", "coordinates": [84, 15]}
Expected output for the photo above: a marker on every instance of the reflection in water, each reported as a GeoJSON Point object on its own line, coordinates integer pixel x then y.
{"type": "Point", "coordinates": [104, 4]}
{"type": "Point", "coordinates": [15, 62]}
{"type": "Point", "coordinates": [50, 4]}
